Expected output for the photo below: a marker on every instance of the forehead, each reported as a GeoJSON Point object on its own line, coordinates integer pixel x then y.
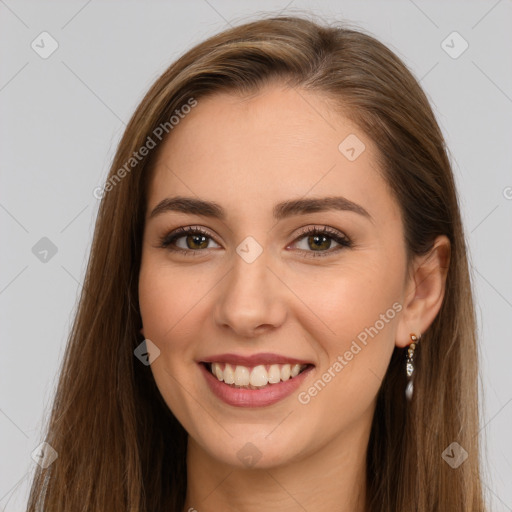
{"type": "Point", "coordinates": [252, 152]}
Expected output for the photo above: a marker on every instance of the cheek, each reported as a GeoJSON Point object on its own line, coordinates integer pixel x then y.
{"type": "Point", "coordinates": [352, 320]}
{"type": "Point", "coordinates": [169, 299]}
{"type": "Point", "coordinates": [170, 305]}
{"type": "Point", "coordinates": [343, 301]}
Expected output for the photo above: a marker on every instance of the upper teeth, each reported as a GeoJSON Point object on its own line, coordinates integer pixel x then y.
{"type": "Point", "coordinates": [258, 376]}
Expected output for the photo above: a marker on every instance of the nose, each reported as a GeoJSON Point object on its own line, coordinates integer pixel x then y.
{"type": "Point", "coordinates": [251, 300]}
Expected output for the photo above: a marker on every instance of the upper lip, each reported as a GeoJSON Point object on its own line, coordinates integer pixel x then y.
{"type": "Point", "coordinates": [253, 360]}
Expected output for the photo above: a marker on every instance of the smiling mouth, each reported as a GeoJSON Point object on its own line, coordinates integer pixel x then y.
{"type": "Point", "coordinates": [256, 377]}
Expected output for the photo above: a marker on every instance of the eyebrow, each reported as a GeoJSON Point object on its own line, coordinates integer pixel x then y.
{"type": "Point", "coordinates": [195, 206]}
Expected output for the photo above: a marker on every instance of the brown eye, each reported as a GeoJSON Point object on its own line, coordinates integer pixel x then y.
{"type": "Point", "coordinates": [318, 241]}
{"type": "Point", "coordinates": [195, 240]}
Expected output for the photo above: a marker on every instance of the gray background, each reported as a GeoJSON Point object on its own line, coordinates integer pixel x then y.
{"type": "Point", "coordinates": [60, 121]}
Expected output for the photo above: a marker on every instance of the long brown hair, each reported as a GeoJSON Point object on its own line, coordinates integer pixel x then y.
{"type": "Point", "coordinates": [119, 446]}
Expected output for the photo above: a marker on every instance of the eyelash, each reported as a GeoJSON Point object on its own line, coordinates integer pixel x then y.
{"type": "Point", "coordinates": [344, 242]}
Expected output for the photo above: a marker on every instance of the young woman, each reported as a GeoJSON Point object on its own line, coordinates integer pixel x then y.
{"type": "Point", "coordinates": [277, 312]}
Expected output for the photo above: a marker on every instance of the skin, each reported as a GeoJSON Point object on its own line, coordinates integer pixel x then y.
{"type": "Point", "coordinates": [247, 154]}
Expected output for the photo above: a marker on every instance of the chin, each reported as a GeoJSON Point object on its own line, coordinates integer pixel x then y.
{"type": "Point", "coordinates": [254, 449]}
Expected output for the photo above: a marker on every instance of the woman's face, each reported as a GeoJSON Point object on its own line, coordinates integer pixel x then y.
{"type": "Point", "coordinates": [256, 290]}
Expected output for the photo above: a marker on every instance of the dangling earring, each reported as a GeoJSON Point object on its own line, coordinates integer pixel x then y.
{"type": "Point", "coordinates": [409, 366]}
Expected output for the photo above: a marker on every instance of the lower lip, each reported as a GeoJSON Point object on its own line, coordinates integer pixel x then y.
{"type": "Point", "coordinates": [240, 397]}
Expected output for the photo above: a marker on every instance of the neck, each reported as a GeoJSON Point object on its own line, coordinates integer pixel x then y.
{"type": "Point", "coordinates": [332, 478]}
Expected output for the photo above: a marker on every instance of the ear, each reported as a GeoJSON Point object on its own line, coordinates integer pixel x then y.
{"type": "Point", "coordinates": [424, 291]}
{"type": "Point", "coordinates": [142, 332]}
